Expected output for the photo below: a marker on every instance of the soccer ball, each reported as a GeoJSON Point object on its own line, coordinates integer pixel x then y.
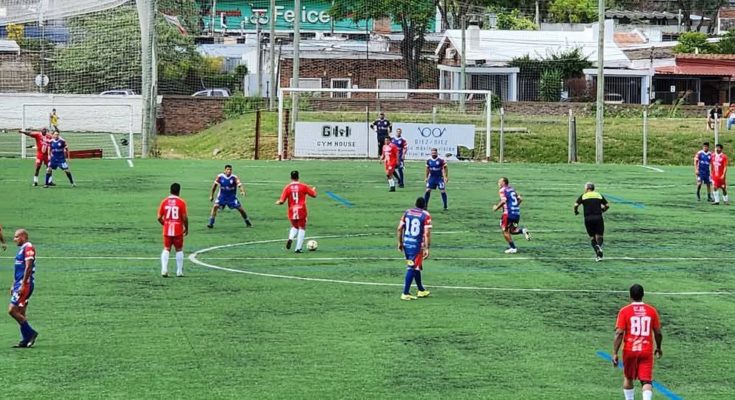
{"type": "Point", "coordinates": [311, 245]}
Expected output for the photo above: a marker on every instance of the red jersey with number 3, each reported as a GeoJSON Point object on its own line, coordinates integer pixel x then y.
{"type": "Point", "coordinates": [295, 193]}
{"type": "Point", "coordinates": [173, 212]}
{"type": "Point", "coordinates": [719, 165]}
{"type": "Point", "coordinates": [638, 320]}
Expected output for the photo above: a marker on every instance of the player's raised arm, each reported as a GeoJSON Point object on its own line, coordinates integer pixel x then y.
{"type": "Point", "coordinates": [25, 132]}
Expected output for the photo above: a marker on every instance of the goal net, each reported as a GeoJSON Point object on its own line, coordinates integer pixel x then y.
{"type": "Point", "coordinates": [93, 130]}
{"type": "Point", "coordinates": [344, 123]}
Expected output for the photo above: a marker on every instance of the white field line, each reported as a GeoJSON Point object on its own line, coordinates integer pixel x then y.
{"type": "Point", "coordinates": [117, 148]}
{"type": "Point", "coordinates": [651, 168]}
{"type": "Point", "coordinates": [193, 258]}
{"type": "Point", "coordinates": [130, 163]}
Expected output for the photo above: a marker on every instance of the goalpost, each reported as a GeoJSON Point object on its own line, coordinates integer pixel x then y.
{"type": "Point", "coordinates": [108, 128]}
{"type": "Point", "coordinates": [335, 123]}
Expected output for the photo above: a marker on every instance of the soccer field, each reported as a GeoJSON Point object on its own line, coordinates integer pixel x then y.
{"type": "Point", "coordinates": [253, 321]}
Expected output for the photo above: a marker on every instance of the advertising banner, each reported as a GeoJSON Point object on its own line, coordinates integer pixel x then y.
{"type": "Point", "coordinates": [334, 139]}
{"type": "Point", "coordinates": [446, 138]}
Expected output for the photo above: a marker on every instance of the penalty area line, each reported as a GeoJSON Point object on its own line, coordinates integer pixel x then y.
{"type": "Point", "coordinates": [651, 168]}
{"type": "Point", "coordinates": [656, 384]}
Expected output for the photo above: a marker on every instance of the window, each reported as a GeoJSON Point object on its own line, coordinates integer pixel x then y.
{"type": "Point", "coordinates": [309, 83]}
{"type": "Point", "coordinates": [393, 84]}
{"type": "Point", "coordinates": [341, 83]}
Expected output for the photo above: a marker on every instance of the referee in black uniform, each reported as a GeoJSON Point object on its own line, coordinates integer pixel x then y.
{"type": "Point", "coordinates": [594, 205]}
{"type": "Point", "coordinates": [383, 128]}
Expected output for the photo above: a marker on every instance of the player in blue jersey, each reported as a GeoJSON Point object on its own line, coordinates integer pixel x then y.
{"type": "Point", "coordinates": [402, 145]}
{"type": "Point", "coordinates": [228, 185]}
{"type": "Point", "coordinates": [510, 202]}
{"type": "Point", "coordinates": [702, 162]}
{"type": "Point", "coordinates": [382, 128]}
{"type": "Point", "coordinates": [437, 176]}
{"type": "Point", "coordinates": [58, 155]}
{"type": "Point", "coordinates": [414, 240]}
{"type": "Point", "coordinates": [22, 289]}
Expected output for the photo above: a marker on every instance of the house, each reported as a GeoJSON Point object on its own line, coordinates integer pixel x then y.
{"type": "Point", "coordinates": [699, 78]}
{"type": "Point", "coordinates": [488, 53]}
{"type": "Point", "coordinates": [725, 19]}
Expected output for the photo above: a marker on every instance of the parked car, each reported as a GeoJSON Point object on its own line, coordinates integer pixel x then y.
{"type": "Point", "coordinates": [118, 92]}
{"type": "Point", "coordinates": [213, 92]}
{"type": "Point", "coordinates": [614, 98]}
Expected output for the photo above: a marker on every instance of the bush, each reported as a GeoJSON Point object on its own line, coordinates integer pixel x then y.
{"type": "Point", "coordinates": [239, 104]}
{"type": "Point", "coordinates": [550, 85]}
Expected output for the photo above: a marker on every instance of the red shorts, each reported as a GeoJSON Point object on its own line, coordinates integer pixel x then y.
{"type": "Point", "coordinates": [719, 183]}
{"type": "Point", "coordinates": [176, 241]}
{"type": "Point", "coordinates": [298, 223]}
{"type": "Point", "coordinates": [41, 159]}
{"type": "Point", "coordinates": [508, 223]}
{"type": "Point", "coordinates": [389, 169]}
{"type": "Point", "coordinates": [638, 365]}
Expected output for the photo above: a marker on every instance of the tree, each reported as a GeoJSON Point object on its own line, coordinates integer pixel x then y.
{"type": "Point", "coordinates": [727, 43]}
{"type": "Point", "coordinates": [703, 8]}
{"type": "Point", "coordinates": [693, 42]}
{"type": "Point", "coordinates": [514, 21]}
{"type": "Point", "coordinates": [573, 11]}
{"type": "Point", "coordinates": [550, 85]}
{"type": "Point", "coordinates": [187, 11]}
{"type": "Point", "coordinates": [413, 16]}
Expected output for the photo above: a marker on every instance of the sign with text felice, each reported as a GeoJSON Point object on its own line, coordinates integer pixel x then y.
{"type": "Point", "coordinates": [446, 138]}
{"type": "Point", "coordinates": [334, 139]}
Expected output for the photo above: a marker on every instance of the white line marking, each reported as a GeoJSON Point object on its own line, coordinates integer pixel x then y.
{"type": "Point", "coordinates": [193, 259]}
{"type": "Point", "coordinates": [506, 258]}
{"type": "Point", "coordinates": [130, 163]}
{"type": "Point", "coordinates": [651, 168]}
{"type": "Point", "coordinates": [117, 148]}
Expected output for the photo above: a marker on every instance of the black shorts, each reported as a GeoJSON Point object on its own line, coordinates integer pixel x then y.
{"type": "Point", "coordinates": [595, 226]}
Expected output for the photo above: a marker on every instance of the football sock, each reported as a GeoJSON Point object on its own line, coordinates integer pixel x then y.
{"type": "Point", "coordinates": [417, 278]}
{"type": "Point", "coordinates": [245, 218]}
{"type": "Point", "coordinates": [600, 239]}
{"type": "Point", "coordinates": [726, 198]}
{"type": "Point", "coordinates": [594, 244]}
{"type": "Point", "coordinates": [407, 283]}
{"type": "Point", "coordinates": [300, 240]}
{"type": "Point", "coordinates": [292, 233]}
{"type": "Point", "coordinates": [699, 189]}
{"type": "Point", "coordinates": [512, 245]}
{"type": "Point", "coordinates": [48, 178]}
{"type": "Point", "coordinates": [179, 263]}
{"type": "Point", "coordinates": [71, 179]}
{"type": "Point", "coordinates": [35, 179]}
{"type": "Point", "coordinates": [647, 395]}
{"type": "Point", "coordinates": [164, 262]}
{"type": "Point", "coordinates": [395, 175]}
{"type": "Point", "coordinates": [629, 394]}
{"type": "Point", "coordinates": [391, 182]}
{"type": "Point", "coordinates": [717, 196]}
{"type": "Point", "coordinates": [211, 221]}
{"type": "Point", "coordinates": [400, 176]}
{"type": "Point", "coordinates": [427, 196]}
{"type": "Point", "coordinates": [444, 199]}
{"type": "Point", "coordinates": [26, 331]}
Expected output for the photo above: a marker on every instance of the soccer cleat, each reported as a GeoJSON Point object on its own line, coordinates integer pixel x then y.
{"type": "Point", "coordinates": [423, 293]}
{"type": "Point", "coordinates": [527, 234]}
{"type": "Point", "coordinates": [248, 223]}
{"type": "Point", "coordinates": [716, 203]}
{"type": "Point", "coordinates": [45, 186]}
{"type": "Point", "coordinates": [298, 251]}
{"type": "Point", "coordinates": [20, 345]}
{"type": "Point", "coordinates": [210, 226]}
{"type": "Point", "coordinates": [289, 242]}
{"type": "Point", "coordinates": [598, 258]}
{"type": "Point", "coordinates": [408, 297]}
{"type": "Point", "coordinates": [32, 340]}
{"type": "Point", "coordinates": [181, 275]}
{"type": "Point", "coordinates": [392, 189]}
{"type": "Point", "coordinates": [35, 183]}
{"type": "Point", "coordinates": [51, 184]}
{"type": "Point", "coordinates": [445, 209]}
{"type": "Point", "coordinates": [511, 250]}
{"type": "Point", "coordinates": [400, 185]}
{"type": "Point", "coordinates": [164, 275]}
{"type": "Point", "coordinates": [73, 185]}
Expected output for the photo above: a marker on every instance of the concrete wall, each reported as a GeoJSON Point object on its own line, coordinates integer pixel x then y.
{"type": "Point", "coordinates": [78, 113]}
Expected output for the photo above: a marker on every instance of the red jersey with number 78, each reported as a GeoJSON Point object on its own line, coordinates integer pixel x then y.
{"type": "Point", "coordinates": [295, 193]}
{"type": "Point", "coordinates": [173, 212]}
{"type": "Point", "coordinates": [638, 320]}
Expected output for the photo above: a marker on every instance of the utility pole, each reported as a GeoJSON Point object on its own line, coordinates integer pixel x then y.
{"type": "Point", "coordinates": [296, 64]}
{"type": "Point", "coordinates": [259, 75]}
{"type": "Point", "coordinates": [600, 120]}
{"type": "Point", "coordinates": [272, 56]}
{"type": "Point", "coordinates": [538, 16]}
{"type": "Point", "coordinates": [463, 64]}
{"type": "Point", "coordinates": [212, 14]}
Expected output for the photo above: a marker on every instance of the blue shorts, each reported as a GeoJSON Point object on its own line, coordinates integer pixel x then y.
{"type": "Point", "coordinates": [704, 178]}
{"type": "Point", "coordinates": [231, 203]}
{"type": "Point", "coordinates": [58, 164]}
{"type": "Point", "coordinates": [19, 300]}
{"type": "Point", "coordinates": [414, 259]}
{"type": "Point", "coordinates": [434, 183]}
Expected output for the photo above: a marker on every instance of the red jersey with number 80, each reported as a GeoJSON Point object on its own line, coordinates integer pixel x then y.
{"type": "Point", "coordinates": [295, 193]}
{"type": "Point", "coordinates": [173, 212]}
{"type": "Point", "coordinates": [638, 320]}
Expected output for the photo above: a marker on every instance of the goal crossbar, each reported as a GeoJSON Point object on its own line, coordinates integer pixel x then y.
{"type": "Point", "coordinates": [488, 106]}
{"type": "Point", "coordinates": [131, 147]}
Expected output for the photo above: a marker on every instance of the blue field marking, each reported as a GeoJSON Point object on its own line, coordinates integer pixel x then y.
{"type": "Point", "coordinates": [340, 200]}
{"type": "Point", "coordinates": [661, 388]}
{"type": "Point", "coordinates": [621, 200]}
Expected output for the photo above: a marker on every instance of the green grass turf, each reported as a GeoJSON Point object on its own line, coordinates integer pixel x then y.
{"type": "Point", "coordinates": [111, 327]}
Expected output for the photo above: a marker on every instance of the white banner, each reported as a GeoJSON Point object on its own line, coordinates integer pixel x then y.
{"type": "Point", "coordinates": [334, 139]}
{"type": "Point", "coordinates": [445, 138]}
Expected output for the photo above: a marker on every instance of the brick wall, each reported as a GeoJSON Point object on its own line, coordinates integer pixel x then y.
{"type": "Point", "coordinates": [185, 114]}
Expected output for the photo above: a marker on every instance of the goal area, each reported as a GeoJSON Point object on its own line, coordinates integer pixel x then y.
{"type": "Point", "coordinates": [91, 130]}
{"type": "Point", "coordinates": [343, 123]}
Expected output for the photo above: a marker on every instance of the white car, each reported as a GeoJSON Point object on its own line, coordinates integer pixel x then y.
{"type": "Point", "coordinates": [614, 98]}
{"type": "Point", "coordinates": [118, 92]}
{"type": "Point", "coordinates": [216, 92]}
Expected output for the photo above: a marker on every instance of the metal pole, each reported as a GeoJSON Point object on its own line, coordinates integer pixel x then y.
{"type": "Point", "coordinates": [257, 134]}
{"type": "Point", "coordinates": [272, 56]}
{"type": "Point", "coordinates": [296, 64]}
{"type": "Point", "coordinates": [717, 127]}
{"type": "Point", "coordinates": [433, 114]}
{"type": "Point", "coordinates": [259, 76]}
{"type": "Point", "coordinates": [212, 13]}
{"type": "Point", "coordinates": [488, 125]}
{"type": "Point", "coordinates": [600, 82]}
{"type": "Point", "coordinates": [645, 137]}
{"type": "Point", "coordinates": [501, 149]}
{"type": "Point", "coordinates": [569, 137]}
{"type": "Point", "coordinates": [463, 64]}
{"type": "Point", "coordinates": [280, 124]}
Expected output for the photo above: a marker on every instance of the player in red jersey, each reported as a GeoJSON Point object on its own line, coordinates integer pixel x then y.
{"type": "Point", "coordinates": [42, 155]}
{"type": "Point", "coordinates": [636, 323]}
{"type": "Point", "coordinates": [295, 193]}
{"type": "Point", "coordinates": [389, 156]}
{"type": "Point", "coordinates": [719, 175]}
{"type": "Point", "coordinates": [173, 216]}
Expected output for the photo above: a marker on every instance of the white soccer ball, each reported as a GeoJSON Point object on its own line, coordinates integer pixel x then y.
{"type": "Point", "coordinates": [312, 245]}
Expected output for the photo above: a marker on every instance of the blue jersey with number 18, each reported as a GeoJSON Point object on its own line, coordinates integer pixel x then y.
{"type": "Point", "coordinates": [414, 222]}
